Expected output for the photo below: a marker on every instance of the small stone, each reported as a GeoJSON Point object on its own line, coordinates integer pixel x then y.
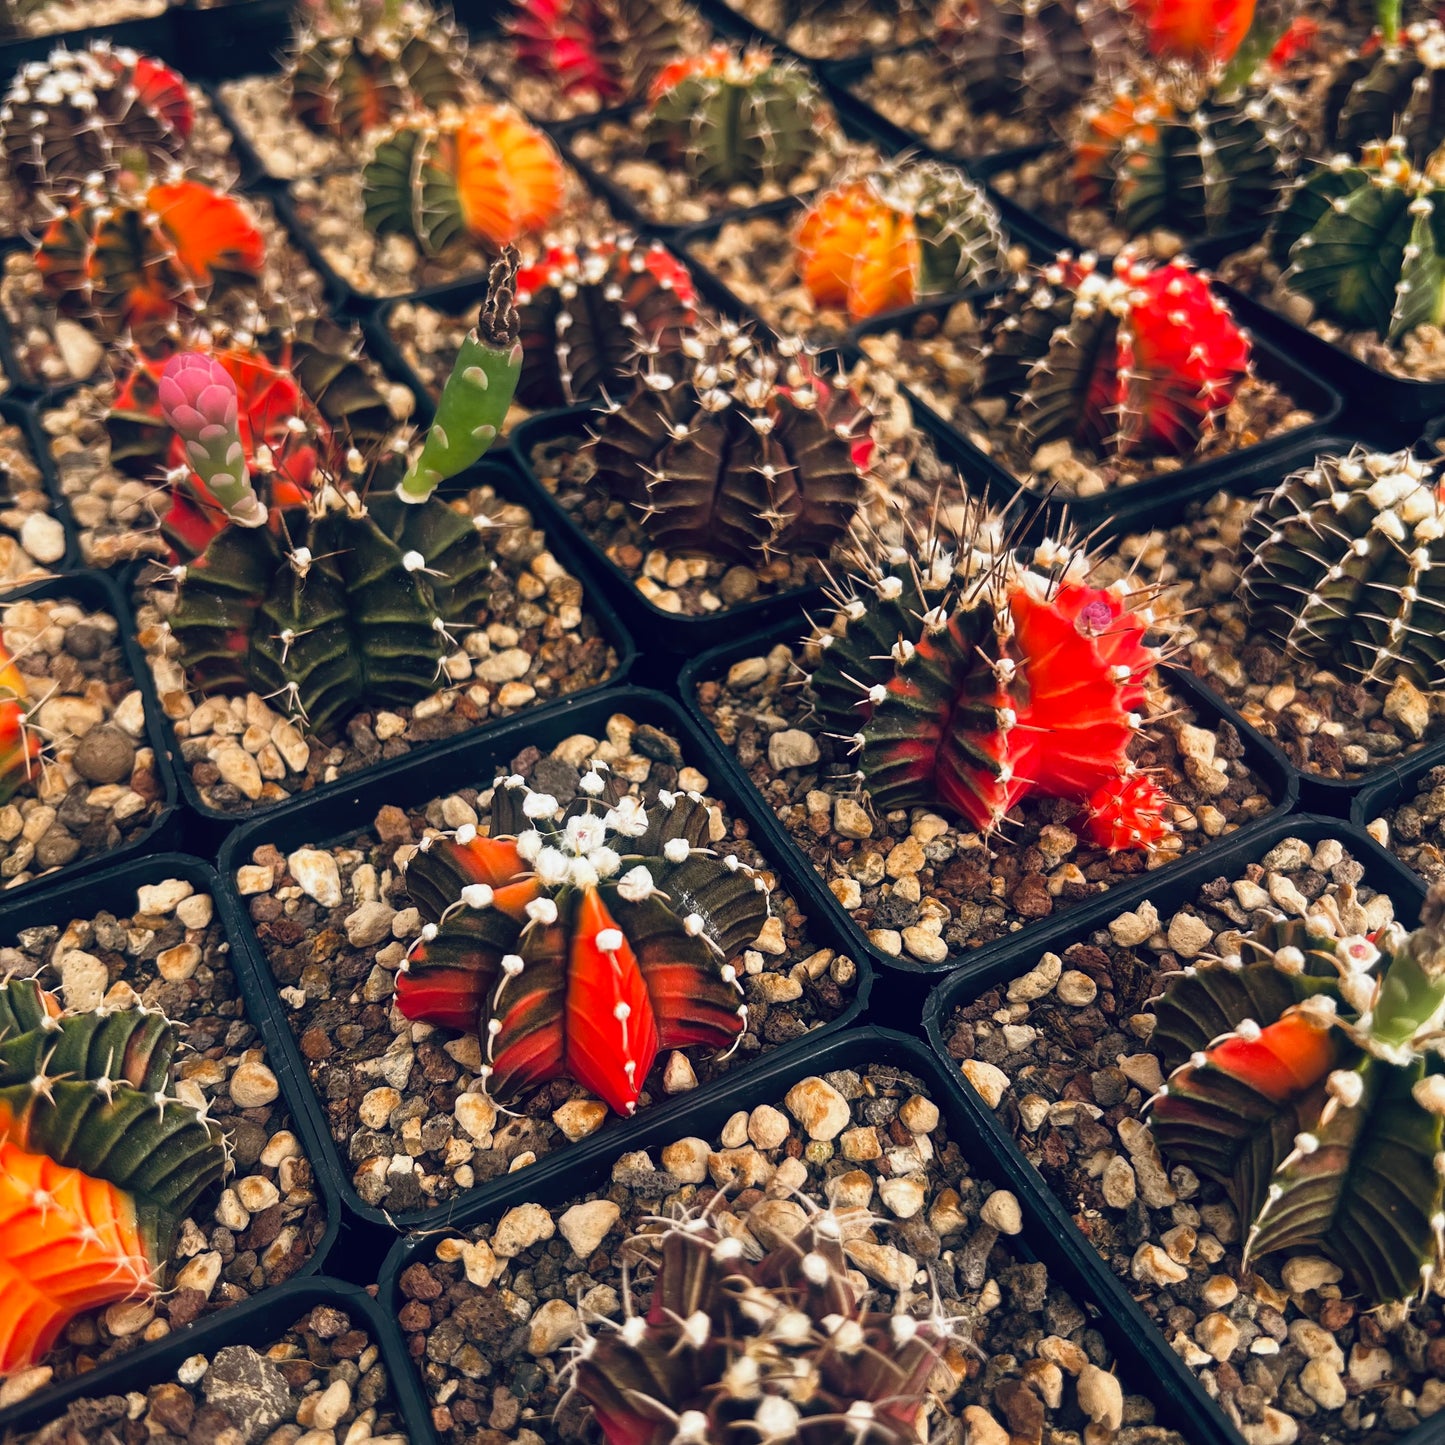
{"type": "Point", "coordinates": [253, 1085]}
{"type": "Point", "coordinates": [477, 1114]}
{"type": "Point", "coordinates": [918, 1115]}
{"type": "Point", "coordinates": [925, 945]}
{"type": "Point", "coordinates": [1077, 989]}
{"type": "Point", "coordinates": [331, 1406]}
{"type": "Point", "coordinates": [1101, 1397]}
{"type": "Point", "coordinates": [586, 1225]}
{"type": "Point", "coordinates": [1304, 1272]}
{"type": "Point", "coordinates": [980, 1428]}
{"type": "Point", "coordinates": [1117, 1183]}
{"type": "Point", "coordinates": [1189, 935]}
{"type": "Point", "coordinates": [83, 981]}
{"type": "Point", "coordinates": [1273, 1427]}
{"type": "Point", "coordinates": [903, 1195]}
{"type": "Point", "coordinates": [104, 755]}
{"type": "Point", "coordinates": [988, 1080]}
{"type": "Point", "coordinates": [1001, 1211]}
{"type": "Point", "coordinates": [747, 673]}
{"type": "Point", "coordinates": [317, 875]}
{"type": "Point", "coordinates": [162, 898]}
{"type": "Point", "coordinates": [377, 1105]}
{"type": "Point", "coordinates": [251, 878]}
{"type": "Point", "coordinates": [249, 1389]}
{"type": "Point", "coordinates": [679, 1076]}
{"type": "Point", "coordinates": [819, 1108]}
{"type": "Point", "coordinates": [1038, 981]}
{"type": "Point", "coordinates": [686, 1160]}
{"type": "Point", "coordinates": [1151, 1265]}
{"type": "Point", "coordinates": [1129, 930]}
{"type": "Point", "coordinates": [882, 1263]}
{"type": "Point", "coordinates": [768, 1127]}
{"type": "Point", "coordinates": [24, 1383]}
{"type": "Point", "coordinates": [773, 1222]}
{"type": "Point", "coordinates": [551, 1327]}
{"type": "Point", "coordinates": [578, 1118]}
{"type": "Point", "coordinates": [43, 537]}
{"type": "Point", "coordinates": [1321, 1382]}
{"type": "Point", "coordinates": [906, 859]}
{"type": "Point", "coordinates": [520, 1229]}
{"type": "Point", "coordinates": [792, 748]}
{"type": "Point", "coordinates": [238, 768]}
{"type": "Point", "coordinates": [1369, 1365]}
{"type": "Point", "coordinates": [1404, 703]}
{"type": "Point", "coordinates": [850, 820]}
{"type": "Point", "coordinates": [370, 924]}
{"type": "Point", "coordinates": [1218, 1335]}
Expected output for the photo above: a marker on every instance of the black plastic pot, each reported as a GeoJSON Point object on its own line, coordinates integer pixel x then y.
{"type": "Point", "coordinates": [667, 637]}
{"type": "Point", "coordinates": [208, 826]}
{"type": "Point", "coordinates": [1388, 788]}
{"type": "Point", "coordinates": [257, 1323]}
{"type": "Point", "coordinates": [98, 592]}
{"type": "Point", "coordinates": [477, 760]}
{"type": "Point", "coordinates": [1257, 466]}
{"type": "Point", "coordinates": [1267, 762]}
{"type": "Point", "coordinates": [1149, 1366]}
{"type": "Point", "coordinates": [1175, 887]}
{"type": "Point", "coordinates": [113, 890]}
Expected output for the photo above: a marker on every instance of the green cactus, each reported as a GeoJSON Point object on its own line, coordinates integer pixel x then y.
{"type": "Point", "coordinates": [1396, 89]}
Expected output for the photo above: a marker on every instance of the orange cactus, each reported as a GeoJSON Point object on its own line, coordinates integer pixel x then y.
{"type": "Point", "coordinates": [19, 743]}
{"type": "Point", "coordinates": [1199, 31]}
{"type": "Point", "coordinates": [483, 174]}
{"type": "Point", "coordinates": [1129, 120]}
{"type": "Point", "coordinates": [127, 259]}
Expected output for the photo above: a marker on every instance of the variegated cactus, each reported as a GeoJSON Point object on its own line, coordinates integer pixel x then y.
{"type": "Point", "coordinates": [1308, 1077]}
{"type": "Point", "coordinates": [579, 942]}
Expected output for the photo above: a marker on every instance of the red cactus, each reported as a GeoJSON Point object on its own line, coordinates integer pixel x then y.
{"type": "Point", "coordinates": [1126, 813]}
{"type": "Point", "coordinates": [1199, 31]}
{"type": "Point", "coordinates": [610, 49]}
{"type": "Point", "coordinates": [1134, 360]}
{"type": "Point", "coordinates": [563, 951]}
{"type": "Point", "coordinates": [162, 91]}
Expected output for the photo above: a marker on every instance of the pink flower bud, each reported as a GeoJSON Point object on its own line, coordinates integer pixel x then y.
{"type": "Point", "coordinates": [198, 397]}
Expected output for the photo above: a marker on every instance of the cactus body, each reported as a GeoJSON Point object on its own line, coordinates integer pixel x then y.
{"type": "Point", "coordinates": [739, 1345]}
{"type": "Point", "coordinates": [1394, 89]}
{"type": "Point", "coordinates": [90, 112]}
{"type": "Point", "coordinates": [1159, 156]}
{"type": "Point", "coordinates": [1344, 564]}
{"type": "Point", "coordinates": [588, 315]}
{"type": "Point", "coordinates": [482, 175]}
{"type": "Point", "coordinates": [970, 681]}
{"type": "Point", "coordinates": [737, 452]}
{"type": "Point", "coordinates": [1198, 31]}
{"type": "Point", "coordinates": [122, 261]}
{"type": "Point", "coordinates": [1306, 1078]}
{"type": "Point", "coordinates": [912, 229]}
{"type": "Point", "coordinates": [734, 117]}
{"type": "Point", "coordinates": [359, 73]}
{"type": "Point", "coordinates": [1364, 241]}
{"type": "Point", "coordinates": [97, 1164]}
{"type": "Point", "coordinates": [577, 943]}
{"type": "Point", "coordinates": [1133, 360]}
{"type": "Point", "coordinates": [610, 49]}
{"type": "Point", "coordinates": [1035, 59]}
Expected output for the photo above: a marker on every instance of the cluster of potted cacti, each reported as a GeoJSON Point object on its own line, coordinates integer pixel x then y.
{"type": "Point", "coordinates": [654, 548]}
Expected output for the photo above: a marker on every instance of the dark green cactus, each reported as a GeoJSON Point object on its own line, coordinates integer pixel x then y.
{"type": "Point", "coordinates": [1344, 564]}
{"type": "Point", "coordinates": [1307, 1079]}
{"type": "Point", "coordinates": [1397, 88]}
{"type": "Point", "coordinates": [1364, 241]}
{"type": "Point", "coordinates": [735, 117]}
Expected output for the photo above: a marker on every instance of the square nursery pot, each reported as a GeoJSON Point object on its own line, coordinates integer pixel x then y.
{"type": "Point", "coordinates": [1019, 932]}
{"type": "Point", "coordinates": [144, 897]}
{"type": "Point", "coordinates": [668, 637]}
{"type": "Point", "coordinates": [142, 831]}
{"type": "Point", "coordinates": [1406, 794]}
{"type": "Point", "coordinates": [446, 1304]}
{"type": "Point", "coordinates": [347, 820]}
{"type": "Point", "coordinates": [211, 823]}
{"type": "Point", "coordinates": [1256, 465]}
{"type": "Point", "coordinates": [1041, 1081]}
{"type": "Point", "coordinates": [332, 1327]}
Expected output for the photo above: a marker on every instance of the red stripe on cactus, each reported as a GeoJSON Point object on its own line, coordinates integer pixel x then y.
{"type": "Point", "coordinates": [161, 90]}
{"type": "Point", "coordinates": [448, 998]}
{"type": "Point", "coordinates": [529, 1046]}
{"type": "Point", "coordinates": [612, 1032]}
{"type": "Point", "coordinates": [68, 1242]}
{"type": "Point", "coordinates": [1290, 1056]}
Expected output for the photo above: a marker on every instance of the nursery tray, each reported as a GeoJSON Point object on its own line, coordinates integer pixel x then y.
{"type": "Point", "coordinates": [667, 637]}
{"type": "Point", "coordinates": [97, 591]}
{"type": "Point", "coordinates": [1386, 788]}
{"type": "Point", "coordinates": [209, 826]}
{"type": "Point", "coordinates": [1048, 1234]}
{"type": "Point", "coordinates": [1173, 888]}
{"type": "Point", "coordinates": [113, 890]}
{"type": "Point", "coordinates": [348, 810]}
{"type": "Point", "coordinates": [1264, 759]}
{"type": "Point", "coordinates": [256, 1323]}
{"type": "Point", "coordinates": [1260, 465]}
{"type": "Point", "coordinates": [157, 35]}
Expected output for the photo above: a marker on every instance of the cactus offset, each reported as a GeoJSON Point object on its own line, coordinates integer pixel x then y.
{"type": "Point", "coordinates": [98, 1165]}
{"type": "Point", "coordinates": [578, 942]}
{"type": "Point", "coordinates": [1364, 241]}
{"type": "Point", "coordinates": [586, 315]}
{"type": "Point", "coordinates": [903, 231]}
{"type": "Point", "coordinates": [90, 112]}
{"type": "Point", "coordinates": [971, 680]}
{"type": "Point", "coordinates": [609, 49]}
{"type": "Point", "coordinates": [1136, 360]}
{"type": "Point", "coordinates": [1344, 564]}
{"type": "Point", "coordinates": [740, 1345]}
{"type": "Point", "coordinates": [731, 117]}
{"type": "Point", "coordinates": [1307, 1079]}
{"type": "Point", "coordinates": [740, 452]}
{"type": "Point", "coordinates": [1035, 59]}
{"type": "Point", "coordinates": [343, 602]}
{"type": "Point", "coordinates": [353, 71]}
{"type": "Point", "coordinates": [1392, 89]}
{"type": "Point", "coordinates": [128, 259]}
{"type": "Point", "coordinates": [1159, 153]}
{"type": "Point", "coordinates": [1127, 813]}
{"type": "Point", "coordinates": [482, 175]}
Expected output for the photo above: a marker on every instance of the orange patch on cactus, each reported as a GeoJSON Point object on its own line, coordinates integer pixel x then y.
{"type": "Point", "coordinates": [855, 251]}
{"type": "Point", "coordinates": [1105, 132]}
{"type": "Point", "coordinates": [509, 176]}
{"type": "Point", "coordinates": [212, 233]}
{"type": "Point", "coordinates": [68, 1242]}
{"type": "Point", "coordinates": [1199, 31]}
{"type": "Point", "coordinates": [1291, 1055]}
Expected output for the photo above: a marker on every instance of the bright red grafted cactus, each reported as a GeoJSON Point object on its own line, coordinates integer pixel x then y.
{"type": "Point", "coordinates": [1307, 1080]}
{"type": "Point", "coordinates": [562, 942]}
{"type": "Point", "coordinates": [1127, 814]}
{"type": "Point", "coordinates": [610, 49]}
{"type": "Point", "coordinates": [98, 1165]}
{"type": "Point", "coordinates": [1199, 31]}
{"type": "Point", "coordinates": [1138, 359]}
{"type": "Point", "coordinates": [973, 681]}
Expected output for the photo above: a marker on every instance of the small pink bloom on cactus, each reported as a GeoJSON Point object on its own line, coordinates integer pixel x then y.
{"type": "Point", "coordinates": [1126, 814]}
{"type": "Point", "coordinates": [199, 400]}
